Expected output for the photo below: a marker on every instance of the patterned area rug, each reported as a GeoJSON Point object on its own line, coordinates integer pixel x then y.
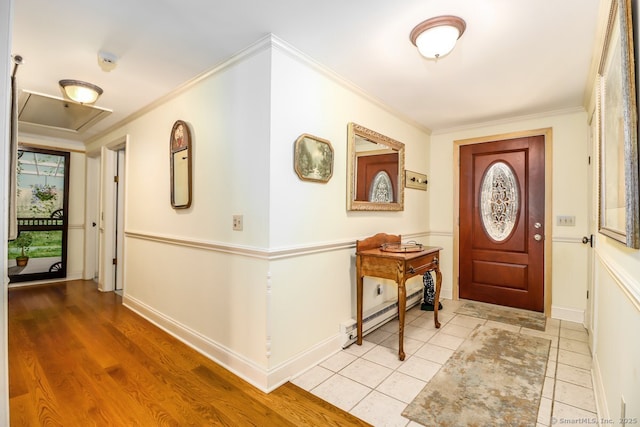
{"type": "Point", "coordinates": [512, 316]}
{"type": "Point", "coordinates": [495, 378]}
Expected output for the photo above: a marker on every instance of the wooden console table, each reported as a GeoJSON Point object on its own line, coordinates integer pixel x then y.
{"type": "Point", "coordinates": [399, 266]}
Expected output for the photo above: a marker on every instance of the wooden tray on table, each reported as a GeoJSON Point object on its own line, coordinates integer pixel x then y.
{"type": "Point", "coordinates": [402, 247]}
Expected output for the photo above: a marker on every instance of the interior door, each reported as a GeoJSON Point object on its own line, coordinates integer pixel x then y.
{"type": "Point", "coordinates": [502, 222]}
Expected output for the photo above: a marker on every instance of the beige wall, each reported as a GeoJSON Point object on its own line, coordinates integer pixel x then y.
{"type": "Point", "coordinates": [266, 302]}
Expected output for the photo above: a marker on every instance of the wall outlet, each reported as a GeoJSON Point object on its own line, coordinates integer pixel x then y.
{"type": "Point", "coordinates": [566, 221]}
{"type": "Point", "coordinates": [237, 222]}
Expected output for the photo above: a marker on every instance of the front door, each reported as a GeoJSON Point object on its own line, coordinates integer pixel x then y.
{"type": "Point", "coordinates": [502, 222]}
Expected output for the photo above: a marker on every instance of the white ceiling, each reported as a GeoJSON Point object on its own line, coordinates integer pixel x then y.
{"type": "Point", "coordinates": [516, 57]}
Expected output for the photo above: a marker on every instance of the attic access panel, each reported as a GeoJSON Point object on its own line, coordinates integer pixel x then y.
{"type": "Point", "coordinates": [58, 113]}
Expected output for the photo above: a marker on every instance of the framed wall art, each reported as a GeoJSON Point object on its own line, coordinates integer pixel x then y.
{"type": "Point", "coordinates": [619, 214]}
{"type": "Point", "coordinates": [313, 158]}
{"type": "Point", "coordinates": [180, 162]}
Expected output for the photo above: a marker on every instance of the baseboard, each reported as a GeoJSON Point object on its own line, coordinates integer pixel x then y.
{"type": "Point", "coordinates": [266, 380]}
{"type": "Point", "coordinates": [598, 390]}
{"type": "Point", "coordinates": [568, 314]}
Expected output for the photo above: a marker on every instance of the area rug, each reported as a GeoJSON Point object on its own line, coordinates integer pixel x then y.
{"type": "Point", "coordinates": [512, 316]}
{"type": "Point", "coordinates": [495, 378]}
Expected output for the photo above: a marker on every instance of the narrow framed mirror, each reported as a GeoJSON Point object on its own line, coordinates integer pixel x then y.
{"type": "Point", "coordinates": [180, 159]}
{"type": "Point", "coordinates": [375, 172]}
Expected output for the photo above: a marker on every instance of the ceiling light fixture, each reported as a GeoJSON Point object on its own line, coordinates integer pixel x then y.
{"type": "Point", "coordinates": [81, 92]}
{"type": "Point", "coordinates": [436, 37]}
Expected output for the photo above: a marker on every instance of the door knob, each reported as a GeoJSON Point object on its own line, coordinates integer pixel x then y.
{"type": "Point", "coordinates": [588, 240]}
{"type": "Point", "coordinates": [537, 237]}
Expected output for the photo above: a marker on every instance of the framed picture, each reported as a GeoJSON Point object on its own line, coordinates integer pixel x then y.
{"type": "Point", "coordinates": [180, 163]}
{"type": "Point", "coordinates": [618, 196]}
{"type": "Point", "coordinates": [313, 158]}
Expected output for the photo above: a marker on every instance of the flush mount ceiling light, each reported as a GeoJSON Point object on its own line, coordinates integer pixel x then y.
{"type": "Point", "coordinates": [436, 37]}
{"type": "Point", "coordinates": [80, 92]}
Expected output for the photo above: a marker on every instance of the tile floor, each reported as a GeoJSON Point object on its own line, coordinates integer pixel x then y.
{"type": "Point", "coordinates": [371, 383]}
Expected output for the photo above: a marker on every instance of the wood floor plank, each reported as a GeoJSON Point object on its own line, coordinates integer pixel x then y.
{"type": "Point", "coordinates": [78, 357]}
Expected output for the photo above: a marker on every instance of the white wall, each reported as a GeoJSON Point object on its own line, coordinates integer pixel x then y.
{"type": "Point", "coordinates": [616, 322]}
{"type": "Point", "coordinates": [569, 197]}
{"type": "Point", "coordinates": [265, 302]}
{"type": "Point", "coordinates": [313, 293]}
{"type": "Point", "coordinates": [187, 269]}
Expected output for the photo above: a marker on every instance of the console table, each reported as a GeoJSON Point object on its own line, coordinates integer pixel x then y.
{"type": "Point", "coordinates": [372, 261]}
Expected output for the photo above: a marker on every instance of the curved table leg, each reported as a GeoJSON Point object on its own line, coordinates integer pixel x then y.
{"type": "Point", "coordinates": [402, 307]}
{"type": "Point", "coordinates": [436, 300]}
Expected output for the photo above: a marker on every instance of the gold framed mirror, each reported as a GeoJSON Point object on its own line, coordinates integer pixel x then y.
{"type": "Point", "coordinates": [375, 172]}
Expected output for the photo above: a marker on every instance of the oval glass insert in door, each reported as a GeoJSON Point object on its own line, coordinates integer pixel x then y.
{"type": "Point", "coordinates": [499, 201]}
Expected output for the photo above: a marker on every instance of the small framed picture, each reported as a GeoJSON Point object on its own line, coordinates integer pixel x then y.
{"type": "Point", "coordinates": [313, 158]}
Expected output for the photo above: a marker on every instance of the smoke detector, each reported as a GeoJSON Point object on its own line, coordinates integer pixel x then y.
{"type": "Point", "coordinates": [107, 61]}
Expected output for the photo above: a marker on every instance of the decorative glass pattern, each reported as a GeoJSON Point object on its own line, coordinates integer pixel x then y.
{"type": "Point", "coordinates": [499, 201]}
{"type": "Point", "coordinates": [381, 188]}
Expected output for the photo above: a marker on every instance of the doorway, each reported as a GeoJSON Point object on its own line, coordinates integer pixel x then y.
{"type": "Point", "coordinates": [40, 250]}
{"type": "Point", "coordinates": [502, 207]}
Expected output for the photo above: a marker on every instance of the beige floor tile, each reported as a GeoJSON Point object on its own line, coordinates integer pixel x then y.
{"type": "Point", "coordinates": [564, 414]}
{"type": "Point", "coordinates": [425, 322]}
{"type": "Point", "coordinates": [571, 358]}
{"type": "Point", "coordinates": [574, 335]}
{"type": "Point", "coordinates": [467, 321]}
{"type": "Point", "coordinates": [366, 372]}
{"type": "Point", "coordinates": [381, 410]}
{"type": "Point", "coordinates": [575, 395]}
{"type": "Point", "coordinates": [341, 392]}
{"type": "Point", "coordinates": [377, 336]}
{"type": "Point", "coordinates": [547, 388]}
{"type": "Point", "coordinates": [446, 340]}
{"type": "Point", "coordinates": [544, 411]}
{"type": "Point", "coordinates": [571, 374]}
{"type": "Point", "coordinates": [312, 378]}
{"type": "Point", "coordinates": [434, 353]}
{"type": "Point", "coordinates": [551, 369]}
{"type": "Point", "coordinates": [401, 386]}
{"type": "Point", "coordinates": [575, 346]}
{"type": "Point", "coordinates": [420, 334]}
{"type": "Point", "coordinates": [359, 350]}
{"type": "Point", "coordinates": [384, 356]}
{"type": "Point", "coordinates": [419, 368]}
{"type": "Point", "coordinates": [338, 361]}
{"type": "Point", "coordinates": [410, 345]}
{"type": "Point", "coordinates": [564, 324]}
{"type": "Point", "coordinates": [456, 330]}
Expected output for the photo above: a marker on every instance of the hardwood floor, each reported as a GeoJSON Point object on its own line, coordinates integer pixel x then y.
{"type": "Point", "coordinates": [77, 357]}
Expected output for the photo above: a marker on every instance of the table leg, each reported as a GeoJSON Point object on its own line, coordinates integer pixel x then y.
{"type": "Point", "coordinates": [402, 309]}
{"type": "Point", "coordinates": [359, 282]}
{"type": "Point", "coordinates": [436, 301]}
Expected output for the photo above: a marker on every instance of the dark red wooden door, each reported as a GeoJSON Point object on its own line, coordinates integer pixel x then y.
{"type": "Point", "coordinates": [502, 222]}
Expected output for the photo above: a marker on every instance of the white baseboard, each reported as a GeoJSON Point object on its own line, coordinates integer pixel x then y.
{"type": "Point", "coordinates": [266, 380]}
{"type": "Point", "coordinates": [568, 314]}
{"type": "Point", "coordinates": [598, 390]}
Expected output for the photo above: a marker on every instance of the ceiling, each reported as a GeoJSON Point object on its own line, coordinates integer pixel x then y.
{"type": "Point", "coordinates": [515, 58]}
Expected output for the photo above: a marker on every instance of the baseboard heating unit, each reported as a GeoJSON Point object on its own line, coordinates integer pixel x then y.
{"type": "Point", "coordinates": [376, 318]}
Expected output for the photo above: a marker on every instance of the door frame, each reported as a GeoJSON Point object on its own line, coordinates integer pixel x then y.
{"type": "Point", "coordinates": [548, 218]}
{"type": "Point", "coordinates": [106, 201]}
